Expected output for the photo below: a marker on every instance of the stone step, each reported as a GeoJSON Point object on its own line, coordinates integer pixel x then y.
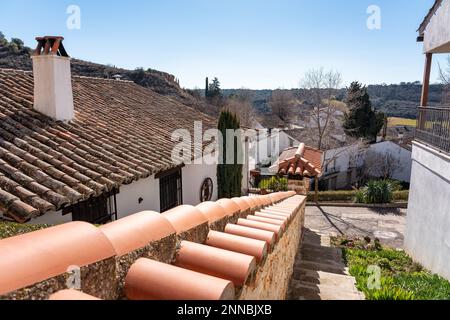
{"type": "Point", "coordinates": [316, 266]}
{"type": "Point", "coordinates": [320, 278]}
{"type": "Point", "coordinates": [321, 254]}
{"type": "Point", "coordinates": [307, 292]}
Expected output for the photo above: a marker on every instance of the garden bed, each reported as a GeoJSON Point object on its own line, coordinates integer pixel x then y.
{"type": "Point", "coordinates": [401, 278]}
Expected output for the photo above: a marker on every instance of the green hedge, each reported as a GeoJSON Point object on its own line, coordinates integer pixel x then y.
{"type": "Point", "coordinates": [348, 196]}
{"type": "Point", "coordinates": [333, 195]}
{"type": "Point", "coordinates": [401, 195]}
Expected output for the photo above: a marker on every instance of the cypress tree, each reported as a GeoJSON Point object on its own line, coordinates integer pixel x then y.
{"type": "Point", "coordinates": [229, 176]}
{"type": "Point", "coordinates": [361, 121]}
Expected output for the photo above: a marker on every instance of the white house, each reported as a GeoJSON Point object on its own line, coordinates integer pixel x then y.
{"type": "Point", "coordinates": [427, 236]}
{"type": "Point", "coordinates": [90, 149]}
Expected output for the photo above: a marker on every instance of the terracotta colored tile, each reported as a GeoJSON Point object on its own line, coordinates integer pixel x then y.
{"type": "Point", "coordinates": [71, 294]}
{"type": "Point", "coordinates": [242, 203]}
{"type": "Point", "coordinates": [152, 280]}
{"type": "Point", "coordinates": [248, 246]}
{"type": "Point", "coordinates": [276, 222]}
{"type": "Point", "coordinates": [33, 257]}
{"type": "Point", "coordinates": [184, 218]}
{"type": "Point", "coordinates": [230, 207]}
{"type": "Point", "coordinates": [252, 233]}
{"type": "Point", "coordinates": [229, 265]}
{"type": "Point", "coordinates": [212, 211]}
{"type": "Point", "coordinates": [260, 225]}
{"type": "Point", "coordinates": [136, 231]}
{"type": "Point", "coordinates": [272, 216]}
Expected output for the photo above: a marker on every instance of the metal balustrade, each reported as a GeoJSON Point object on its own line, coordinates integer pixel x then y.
{"type": "Point", "coordinates": [433, 127]}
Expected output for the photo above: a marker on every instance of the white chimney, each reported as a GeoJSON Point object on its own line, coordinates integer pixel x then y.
{"type": "Point", "coordinates": [52, 79]}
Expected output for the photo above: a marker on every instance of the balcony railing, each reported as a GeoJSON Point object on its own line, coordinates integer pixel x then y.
{"type": "Point", "coordinates": [433, 127]}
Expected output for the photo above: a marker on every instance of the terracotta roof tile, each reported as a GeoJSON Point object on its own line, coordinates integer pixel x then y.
{"type": "Point", "coordinates": [71, 294]}
{"type": "Point", "coordinates": [121, 132]}
{"type": "Point", "coordinates": [225, 264]}
{"type": "Point", "coordinates": [136, 231]}
{"type": "Point", "coordinates": [152, 280]}
{"type": "Point", "coordinates": [40, 255]}
{"type": "Point", "coordinates": [301, 161]}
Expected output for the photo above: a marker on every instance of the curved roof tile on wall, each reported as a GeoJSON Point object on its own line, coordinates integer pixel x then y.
{"type": "Point", "coordinates": [152, 280]}
{"type": "Point", "coordinates": [37, 256]}
{"type": "Point", "coordinates": [212, 211]}
{"type": "Point", "coordinates": [184, 218]}
{"type": "Point", "coordinates": [121, 132]}
{"type": "Point", "coordinates": [230, 255]}
{"type": "Point", "coordinates": [229, 205]}
{"type": "Point", "coordinates": [136, 231]}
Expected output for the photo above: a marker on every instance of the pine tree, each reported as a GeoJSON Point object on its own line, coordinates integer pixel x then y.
{"type": "Point", "coordinates": [229, 176]}
{"type": "Point", "coordinates": [361, 121]}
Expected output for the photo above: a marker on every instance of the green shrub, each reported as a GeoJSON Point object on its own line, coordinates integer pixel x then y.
{"type": "Point", "coordinates": [401, 277]}
{"type": "Point", "coordinates": [275, 184]}
{"type": "Point", "coordinates": [378, 192]}
{"type": "Point", "coordinates": [360, 197]}
{"type": "Point", "coordinates": [401, 195]}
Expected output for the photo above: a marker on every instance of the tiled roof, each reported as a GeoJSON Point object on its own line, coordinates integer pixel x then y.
{"type": "Point", "coordinates": [301, 161]}
{"type": "Point", "coordinates": [210, 269]}
{"type": "Point", "coordinates": [121, 132]}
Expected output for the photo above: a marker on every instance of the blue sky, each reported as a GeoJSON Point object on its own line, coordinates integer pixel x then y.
{"type": "Point", "coordinates": [245, 43]}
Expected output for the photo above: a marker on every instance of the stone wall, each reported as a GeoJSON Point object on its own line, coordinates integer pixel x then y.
{"type": "Point", "coordinates": [272, 278]}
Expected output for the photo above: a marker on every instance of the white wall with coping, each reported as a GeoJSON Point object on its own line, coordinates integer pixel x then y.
{"type": "Point", "coordinates": [437, 33]}
{"type": "Point", "coordinates": [427, 236]}
{"type": "Point", "coordinates": [193, 177]}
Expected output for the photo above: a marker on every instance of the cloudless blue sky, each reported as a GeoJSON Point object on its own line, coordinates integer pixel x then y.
{"type": "Point", "coordinates": [245, 43]}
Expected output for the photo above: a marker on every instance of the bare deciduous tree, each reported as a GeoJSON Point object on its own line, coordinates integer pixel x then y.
{"type": "Point", "coordinates": [281, 102]}
{"type": "Point", "coordinates": [444, 75]}
{"type": "Point", "coordinates": [380, 165]}
{"type": "Point", "coordinates": [322, 86]}
{"type": "Point", "coordinates": [241, 105]}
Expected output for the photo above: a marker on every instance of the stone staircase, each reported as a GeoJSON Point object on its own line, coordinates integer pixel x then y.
{"type": "Point", "coordinates": [320, 272]}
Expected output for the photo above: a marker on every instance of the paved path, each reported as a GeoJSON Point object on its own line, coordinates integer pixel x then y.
{"type": "Point", "coordinates": [320, 272]}
{"type": "Point", "coordinates": [388, 225]}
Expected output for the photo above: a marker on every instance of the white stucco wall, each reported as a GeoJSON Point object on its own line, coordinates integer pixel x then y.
{"type": "Point", "coordinates": [128, 197]}
{"type": "Point", "coordinates": [427, 237]}
{"type": "Point", "coordinates": [193, 177]}
{"type": "Point", "coordinates": [148, 189]}
{"type": "Point", "coordinates": [402, 155]}
{"type": "Point", "coordinates": [52, 218]}
{"type": "Point", "coordinates": [437, 33]}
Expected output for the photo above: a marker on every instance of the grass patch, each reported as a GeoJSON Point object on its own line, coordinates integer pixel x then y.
{"type": "Point", "coordinates": [401, 277]}
{"type": "Point", "coordinates": [11, 229]}
{"type": "Point", "coordinates": [394, 121]}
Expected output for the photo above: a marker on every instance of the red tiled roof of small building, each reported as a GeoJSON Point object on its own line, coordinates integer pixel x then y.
{"type": "Point", "coordinates": [121, 132]}
{"type": "Point", "coordinates": [299, 161]}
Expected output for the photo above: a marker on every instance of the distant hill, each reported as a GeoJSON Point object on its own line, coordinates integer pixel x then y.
{"type": "Point", "coordinates": [395, 100]}
{"type": "Point", "coordinates": [15, 55]}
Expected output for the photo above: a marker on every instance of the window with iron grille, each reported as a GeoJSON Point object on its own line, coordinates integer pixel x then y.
{"type": "Point", "coordinates": [170, 189]}
{"type": "Point", "coordinates": [98, 210]}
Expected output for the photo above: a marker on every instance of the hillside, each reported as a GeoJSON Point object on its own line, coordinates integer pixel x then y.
{"type": "Point", "coordinates": [395, 100]}
{"type": "Point", "coordinates": [15, 55]}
